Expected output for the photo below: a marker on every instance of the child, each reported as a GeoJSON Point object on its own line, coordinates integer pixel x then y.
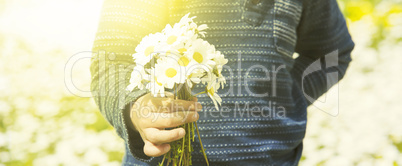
{"type": "Point", "coordinates": [262, 120]}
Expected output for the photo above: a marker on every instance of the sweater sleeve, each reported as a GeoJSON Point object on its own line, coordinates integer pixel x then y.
{"type": "Point", "coordinates": [324, 46]}
{"type": "Point", "coordinates": [123, 23]}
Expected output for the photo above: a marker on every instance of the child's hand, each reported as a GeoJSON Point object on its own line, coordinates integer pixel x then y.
{"type": "Point", "coordinates": [151, 115]}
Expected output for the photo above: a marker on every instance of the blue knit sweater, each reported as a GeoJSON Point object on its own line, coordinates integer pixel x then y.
{"type": "Point", "coordinates": [262, 120]}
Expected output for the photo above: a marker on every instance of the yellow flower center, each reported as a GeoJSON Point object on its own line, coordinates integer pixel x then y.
{"type": "Point", "coordinates": [198, 57]}
{"type": "Point", "coordinates": [171, 39]}
{"type": "Point", "coordinates": [182, 50]}
{"type": "Point", "coordinates": [149, 50]}
{"type": "Point", "coordinates": [170, 72]}
{"type": "Point", "coordinates": [183, 61]}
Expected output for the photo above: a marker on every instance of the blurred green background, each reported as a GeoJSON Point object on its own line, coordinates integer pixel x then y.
{"type": "Point", "coordinates": [43, 122]}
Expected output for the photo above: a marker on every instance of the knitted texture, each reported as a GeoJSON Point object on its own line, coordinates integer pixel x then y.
{"type": "Point", "coordinates": [262, 120]}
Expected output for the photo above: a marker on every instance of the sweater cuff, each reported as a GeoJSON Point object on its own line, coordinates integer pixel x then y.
{"type": "Point", "coordinates": [131, 136]}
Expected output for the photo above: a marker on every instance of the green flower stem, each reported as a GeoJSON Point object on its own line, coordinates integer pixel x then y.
{"type": "Point", "coordinates": [199, 93]}
{"type": "Point", "coordinates": [202, 147]}
{"type": "Point", "coordinates": [180, 152]}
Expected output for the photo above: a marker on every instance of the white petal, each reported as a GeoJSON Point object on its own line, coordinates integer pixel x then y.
{"type": "Point", "coordinates": [214, 101]}
{"type": "Point", "coordinates": [218, 98]}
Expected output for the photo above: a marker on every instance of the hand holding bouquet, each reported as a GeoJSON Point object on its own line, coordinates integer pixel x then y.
{"type": "Point", "coordinates": [177, 59]}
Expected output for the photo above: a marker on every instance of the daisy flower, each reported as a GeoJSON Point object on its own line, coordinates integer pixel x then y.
{"type": "Point", "coordinates": [185, 20]}
{"type": "Point", "coordinates": [138, 77]}
{"type": "Point", "coordinates": [201, 52]}
{"type": "Point", "coordinates": [195, 72]}
{"type": "Point", "coordinates": [192, 26]}
{"type": "Point", "coordinates": [169, 72]}
{"type": "Point", "coordinates": [211, 90]}
{"type": "Point", "coordinates": [219, 60]}
{"type": "Point", "coordinates": [173, 36]}
{"type": "Point", "coordinates": [146, 49]}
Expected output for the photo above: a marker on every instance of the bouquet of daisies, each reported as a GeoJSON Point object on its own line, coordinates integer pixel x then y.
{"type": "Point", "coordinates": [177, 59]}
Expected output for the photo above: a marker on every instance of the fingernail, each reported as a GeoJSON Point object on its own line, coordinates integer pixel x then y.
{"type": "Point", "coordinates": [199, 107]}
{"type": "Point", "coordinates": [167, 147]}
{"type": "Point", "coordinates": [181, 133]}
